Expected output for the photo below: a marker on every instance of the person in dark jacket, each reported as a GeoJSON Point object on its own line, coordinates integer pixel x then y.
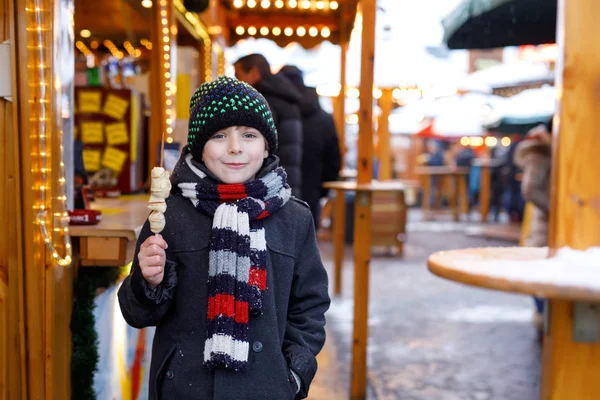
{"type": "Point", "coordinates": [534, 156]}
{"type": "Point", "coordinates": [234, 283]}
{"type": "Point", "coordinates": [321, 159]}
{"type": "Point", "coordinates": [283, 99]}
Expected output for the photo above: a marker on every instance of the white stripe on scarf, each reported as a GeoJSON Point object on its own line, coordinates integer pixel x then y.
{"type": "Point", "coordinates": [225, 344]}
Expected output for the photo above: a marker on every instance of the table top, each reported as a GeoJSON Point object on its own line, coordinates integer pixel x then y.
{"type": "Point", "coordinates": [395, 185]}
{"type": "Point", "coordinates": [571, 275]}
{"type": "Point", "coordinates": [444, 170]}
{"type": "Point", "coordinates": [121, 217]}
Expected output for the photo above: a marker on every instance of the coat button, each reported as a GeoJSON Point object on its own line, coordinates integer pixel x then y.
{"type": "Point", "coordinates": [257, 347]}
{"type": "Point", "coordinates": [170, 375]}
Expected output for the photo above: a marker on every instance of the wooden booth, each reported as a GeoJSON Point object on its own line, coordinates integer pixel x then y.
{"type": "Point", "coordinates": [40, 116]}
{"type": "Point", "coordinates": [41, 113]}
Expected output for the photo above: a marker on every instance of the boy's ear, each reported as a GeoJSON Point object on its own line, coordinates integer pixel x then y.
{"type": "Point", "coordinates": [266, 147]}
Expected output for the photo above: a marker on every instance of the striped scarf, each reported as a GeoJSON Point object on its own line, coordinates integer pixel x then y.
{"type": "Point", "coordinates": [237, 275]}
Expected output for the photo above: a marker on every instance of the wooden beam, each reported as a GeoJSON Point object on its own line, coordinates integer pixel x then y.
{"type": "Point", "coordinates": [339, 227]}
{"type": "Point", "coordinates": [13, 359]}
{"type": "Point", "coordinates": [384, 145]}
{"type": "Point", "coordinates": [34, 258]}
{"type": "Point", "coordinates": [362, 205]}
{"type": "Point", "coordinates": [571, 368]}
{"type": "Point", "coordinates": [339, 105]}
{"type": "Point", "coordinates": [339, 240]}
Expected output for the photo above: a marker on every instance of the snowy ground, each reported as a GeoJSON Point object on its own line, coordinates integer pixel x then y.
{"type": "Point", "coordinates": [431, 339]}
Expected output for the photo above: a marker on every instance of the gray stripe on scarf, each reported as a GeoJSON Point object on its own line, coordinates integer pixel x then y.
{"type": "Point", "coordinates": [226, 262]}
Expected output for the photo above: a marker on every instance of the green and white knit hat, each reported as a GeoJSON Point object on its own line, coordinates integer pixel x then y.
{"type": "Point", "coordinates": [223, 103]}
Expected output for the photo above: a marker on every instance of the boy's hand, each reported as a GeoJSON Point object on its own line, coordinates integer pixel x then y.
{"type": "Point", "coordinates": [151, 259]}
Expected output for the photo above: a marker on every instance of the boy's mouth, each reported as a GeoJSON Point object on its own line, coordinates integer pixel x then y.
{"type": "Point", "coordinates": [235, 165]}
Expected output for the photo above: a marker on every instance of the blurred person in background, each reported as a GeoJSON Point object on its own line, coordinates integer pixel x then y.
{"type": "Point", "coordinates": [321, 160]}
{"type": "Point", "coordinates": [283, 99]}
{"type": "Point", "coordinates": [533, 155]}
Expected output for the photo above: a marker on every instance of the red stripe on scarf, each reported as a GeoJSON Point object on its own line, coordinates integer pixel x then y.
{"type": "Point", "coordinates": [225, 304]}
{"type": "Point", "coordinates": [263, 214]}
{"type": "Point", "coordinates": [232, 191]}
{"type": "Point", "coordinates": [258, 277]}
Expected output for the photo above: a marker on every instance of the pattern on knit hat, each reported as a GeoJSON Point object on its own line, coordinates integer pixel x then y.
{"type": "Point", "coordinates": [223, 103]}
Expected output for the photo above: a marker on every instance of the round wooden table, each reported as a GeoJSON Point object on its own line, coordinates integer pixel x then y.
{"type": "Point", "coordinates": [457, 176]}
{"type": "Point", "coordinates": [391, 186]}
{"type": "Point", "coordinates": [571, 283]}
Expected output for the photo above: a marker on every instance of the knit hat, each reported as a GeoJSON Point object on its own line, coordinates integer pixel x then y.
{"type": "Point", "coordinates": [223, 103]}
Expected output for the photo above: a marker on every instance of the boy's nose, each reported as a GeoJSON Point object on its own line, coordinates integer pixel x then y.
{"type": "Point", "coordinates": [234, 146]}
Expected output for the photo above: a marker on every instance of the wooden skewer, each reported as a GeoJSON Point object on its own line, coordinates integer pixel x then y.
{"type": "Point", "coordinates": [162, 149]}
{"type": "Point", "coordinates": [162, 152]}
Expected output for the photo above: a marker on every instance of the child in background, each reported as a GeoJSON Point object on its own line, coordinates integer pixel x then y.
{"type": "Point", "coordinates": [234, 284]}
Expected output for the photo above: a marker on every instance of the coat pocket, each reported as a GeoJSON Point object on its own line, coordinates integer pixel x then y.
{"type": "Point", "coordinates": [161, 372]}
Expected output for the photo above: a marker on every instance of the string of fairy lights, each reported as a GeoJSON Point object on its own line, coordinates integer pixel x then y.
{"type": "Point", "coordinates": [166, 51]}
{"type": "Point", "coordinates": [300, 31]}
{"type": "Point", "coordinates": [53, 227]}
{"type": "Point", "coordinates": [303, 5]}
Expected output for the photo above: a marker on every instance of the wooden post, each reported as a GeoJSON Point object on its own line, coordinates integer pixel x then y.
{"type": "Point", "coordinates": [362, 205]}
{"type": "Point", "coordinates": [383, 136]}
{"type": "Point", "coordinates": [339, 114]}
{"type": "Point", "coordinates": [13, 358]}
{"type": "Point", "coordinates": [339, 226]}
{"type": "Point", "coordinates": [37, 308]}
{"type": "Point", "coordinates": [340, 105]}
{"type": "Point", "coordinates": [162, 77]}
{"type": "Point", "coordinates": [570, 367]}
{"type": "Point", "coordinates": [484, 191]}
{"type": "Point", "coordinates": [339, 236]}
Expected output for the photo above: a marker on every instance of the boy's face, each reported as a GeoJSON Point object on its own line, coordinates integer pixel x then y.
{"type": "Point", "coordinates": [235, 154]}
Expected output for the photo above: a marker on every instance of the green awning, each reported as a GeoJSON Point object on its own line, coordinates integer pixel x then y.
{"type": "Point", "coordinates": [486, 24]}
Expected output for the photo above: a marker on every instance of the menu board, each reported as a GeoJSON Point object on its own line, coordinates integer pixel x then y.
{"type": "Point", "coordinates": [108, 123]}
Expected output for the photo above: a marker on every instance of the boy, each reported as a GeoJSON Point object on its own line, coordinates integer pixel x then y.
{"type": "Point", "coordinates": [235, 283]}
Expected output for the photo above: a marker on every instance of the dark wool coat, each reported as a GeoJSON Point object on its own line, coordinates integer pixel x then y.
{"type": "Point", "coordinates": [283, 99]}
{"type": "Point", "coordinates": [321, 159]}
{"type": "Point", "coordinates": [288, 334]}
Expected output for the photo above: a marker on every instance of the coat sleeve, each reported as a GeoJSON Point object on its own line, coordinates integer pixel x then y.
{"type": "Point", "coordinates": [309, 300]}
{"type": "Point", "coordinates": [141, 305]}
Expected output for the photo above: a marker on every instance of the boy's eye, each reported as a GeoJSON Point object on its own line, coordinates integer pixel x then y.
{"type": "Point", "coordinates": [250, 135]}
{"type": "Point", "coordinates": [218, 136]}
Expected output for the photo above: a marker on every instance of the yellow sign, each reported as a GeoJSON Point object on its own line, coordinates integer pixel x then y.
{"type": "Point", "coordinates": [115, 106]}
{"type": "Point", "coordinates": [92, 132]}
{"type": "Point", "coordinates": [114, 159]}
{"type": "Point", "coordinates": [117, 134]}
{"type": "Point", "coordinates": [91, 160]}
{"type": "Point", "coordinates": [89, 101]}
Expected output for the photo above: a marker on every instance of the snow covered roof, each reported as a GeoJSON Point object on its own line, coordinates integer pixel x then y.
{"type": "Point", "coordinates": [511, 74]}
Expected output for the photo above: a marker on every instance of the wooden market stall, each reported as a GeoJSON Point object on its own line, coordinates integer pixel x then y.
{"type": "Point", "coordinates": [38, 263]}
